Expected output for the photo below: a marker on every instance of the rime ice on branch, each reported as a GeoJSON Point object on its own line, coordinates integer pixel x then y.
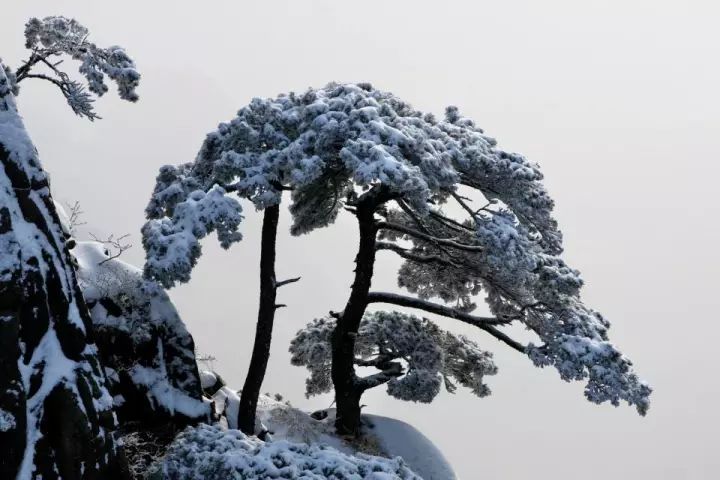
{"type": "Point", "coordinates": [405, 175]}
{"type": "Point", "coordinates": [53, 37]}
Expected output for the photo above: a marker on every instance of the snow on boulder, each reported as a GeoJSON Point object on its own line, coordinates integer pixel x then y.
{"type": "Point", "coordinates": [399, 439]}
{"type": "Point", "coordinates": [212, 453]}
{"type": "Point", "coordinates": [385, 437]}
{"type": "Point", "coordinates": [148, 354]}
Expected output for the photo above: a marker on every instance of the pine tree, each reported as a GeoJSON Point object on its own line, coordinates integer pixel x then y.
{"type": "Point", "coordinates": [409, 180]}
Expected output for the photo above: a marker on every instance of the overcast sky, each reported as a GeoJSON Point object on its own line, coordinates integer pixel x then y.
{"type": "Point", "coordinates": [616, 100]}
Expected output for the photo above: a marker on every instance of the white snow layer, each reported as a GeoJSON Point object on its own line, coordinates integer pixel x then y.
{"type": "Point", "coordinates": [212, 453]}
{"type": "Point", "coordinates": [386, 437]}
{"type": "Point", "coordinates": [399, 439]}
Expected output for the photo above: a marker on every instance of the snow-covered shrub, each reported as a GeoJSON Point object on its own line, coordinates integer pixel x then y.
{"type": "Point", "coordinates": [211, 453]}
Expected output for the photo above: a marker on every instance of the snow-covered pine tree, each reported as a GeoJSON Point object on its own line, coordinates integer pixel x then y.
{"type": "Point", "coordinates": [56, 417]}
{"type": "Point", "coordinates": [194, 199]}
{"type": "Point", "coordinates": [398, 171]}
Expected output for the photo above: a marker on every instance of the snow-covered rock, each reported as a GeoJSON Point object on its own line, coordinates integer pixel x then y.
{"type": "Point", "coordinates": [56, 418]}
{"type": "Point", "coordinates": [147, 352]}
{"type": "Point", "coordinates": [399, 439]}
{"type": "Point", "coordinates": [383, 436]}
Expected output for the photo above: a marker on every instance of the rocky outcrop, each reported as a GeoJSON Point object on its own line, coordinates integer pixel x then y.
{"type": "Point", "coordinates": [147, 353]}
{"type": "Point", "coordinates": [56, 418]}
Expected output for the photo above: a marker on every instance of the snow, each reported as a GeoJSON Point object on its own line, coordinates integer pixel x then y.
{"type": "Point", "coordinates": [207, 379]}
{"type": "Point", "coordinates": [211, 453]}
{"type": "Point", "coordinates": [399, 439]}
{"type": "Point", "coordinates": [146, 313]}
{"type": "Point", "coordinates": [385, 437]}
{"type": "Point", "coordinates": [160, 391]}
{"type": "Point", "coordinates": [7, 421]}
{"type": "Point", "coordinates": [26, 249]}
{"type": "Point", "coordinates": [227, 404]}
{"type": "Point", "coordinates": [59, 370]}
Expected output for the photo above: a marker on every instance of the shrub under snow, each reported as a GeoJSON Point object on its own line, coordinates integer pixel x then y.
{"type": "Point", "coordinates": [211, 453]}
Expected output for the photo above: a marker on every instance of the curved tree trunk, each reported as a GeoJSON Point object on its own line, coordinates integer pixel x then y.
{"type": "Point", "coordinates": [266, 316]}
{"type": "Point", "coordinates": [347, 389]}
{"type": "Point", "coordinates": [56, 418]}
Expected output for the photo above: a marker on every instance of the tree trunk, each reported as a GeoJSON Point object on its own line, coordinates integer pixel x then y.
{"type": "Point", "coordinates": [266, 317]}
{"type": "Point", "coordinates": [347, 390]}
{"type": "Point", "coordinates": [56, 418]}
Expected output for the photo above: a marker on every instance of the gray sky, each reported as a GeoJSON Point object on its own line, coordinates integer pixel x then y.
{"type": "Point", "coordinates": [617, 100]}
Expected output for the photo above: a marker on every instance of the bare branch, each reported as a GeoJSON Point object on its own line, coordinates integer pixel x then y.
{"type": "Point", "coordinates": [24, 69]}
{"type": "Point", "coordinates": [285, 282]}
{"type": "Point", "coordinates": [116, 243]}
{"type": "Point", "coordinates": [405, 208]}
{"type": "Point", "coordinates": [74, 217]}
{"type": "Point", "coordinates": [465, 206]}
{"type": "Point", "coordinates": [393, 298]}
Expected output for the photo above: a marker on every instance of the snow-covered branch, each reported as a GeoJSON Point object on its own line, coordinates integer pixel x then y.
{"type": "Point", "coordinates": [446, 242]}
{"type": "Point", "coordinates": [53, 37]}
{"type": "Point", "coordinates": [408, 255]}
{"type": "Point", "coordinates": [483, 323]}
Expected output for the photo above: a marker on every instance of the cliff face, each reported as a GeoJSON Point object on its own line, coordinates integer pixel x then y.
{"type": "Point", "coordinates": [56, 417]}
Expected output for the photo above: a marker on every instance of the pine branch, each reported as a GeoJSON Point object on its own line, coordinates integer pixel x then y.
{"type": "Point", "coordinates": [484, 323]}
{"type": "Point", "coordinates": [407, 255]}
{"type": "Point", "coordinates": [450, 223]}
{"type": "Point", "coordinates": [429, 238]}
{"type": "Point", "coordinates": [394, 370]}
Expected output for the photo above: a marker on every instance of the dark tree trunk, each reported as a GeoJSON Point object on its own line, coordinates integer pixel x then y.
{"type": "Point", "coordinates": [347, 389]}
{"type": "Point", "coordinates": [56, 413]}
{"type": "Point", "coordinates": [266, 317]}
